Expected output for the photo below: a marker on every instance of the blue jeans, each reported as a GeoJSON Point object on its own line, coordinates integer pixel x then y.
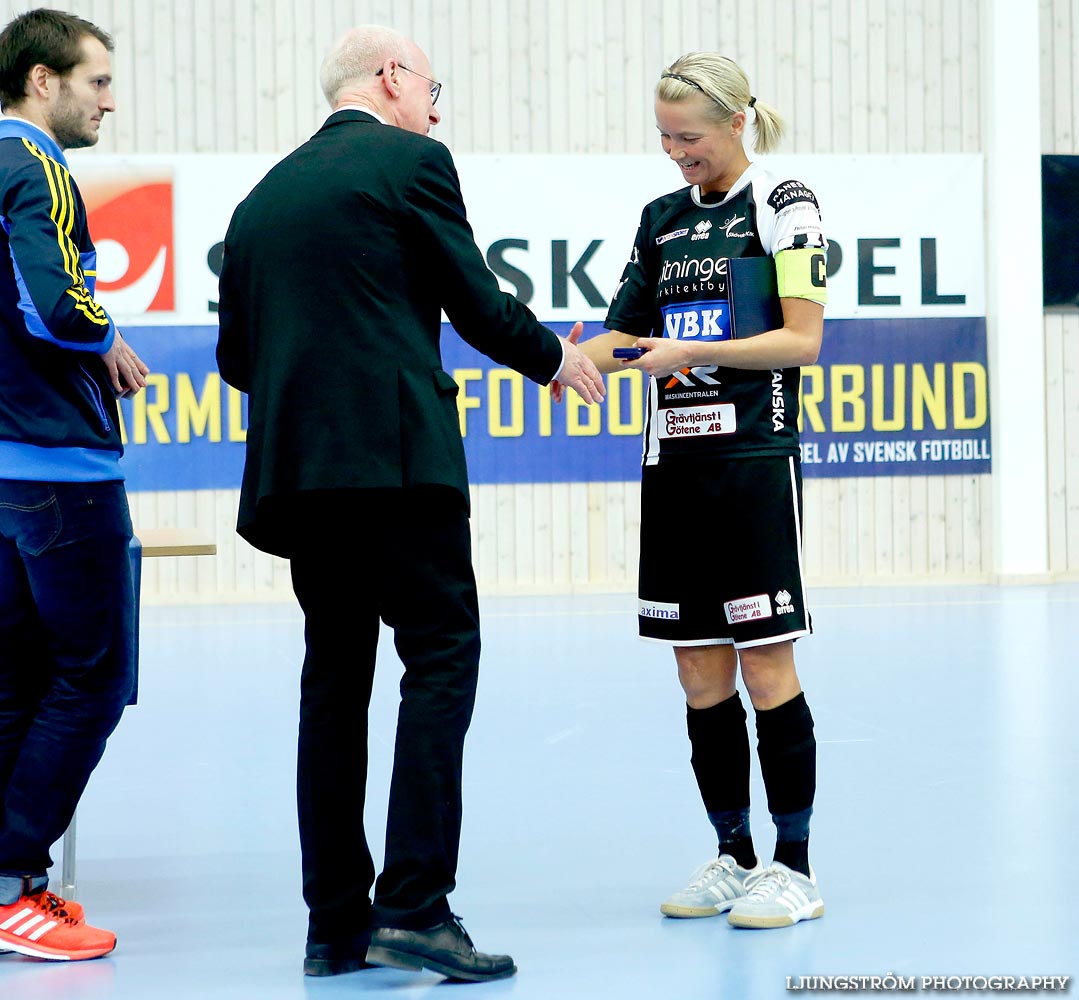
{"type": "Point", "coordinates": [67, 649]}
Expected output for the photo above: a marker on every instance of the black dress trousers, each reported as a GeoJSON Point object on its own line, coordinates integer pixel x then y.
{"type": "Point", "coordinates": [402, 556]}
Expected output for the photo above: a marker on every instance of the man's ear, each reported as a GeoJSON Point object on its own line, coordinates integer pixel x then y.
{"type": "Point", "coordinates": [37, 80]}
{"type": "Point", "coordinates": [388, 75]}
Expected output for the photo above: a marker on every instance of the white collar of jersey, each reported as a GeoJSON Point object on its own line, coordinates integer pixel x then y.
{"type": "Point", "coordinates": [753, 170]}
{"type": "Point", "coordinates": [359, 107]}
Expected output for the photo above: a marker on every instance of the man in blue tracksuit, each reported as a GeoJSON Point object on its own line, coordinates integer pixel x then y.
{"type": "Point", "coordinates": [66, 598]}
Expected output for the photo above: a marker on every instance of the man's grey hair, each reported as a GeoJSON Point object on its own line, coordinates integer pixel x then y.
{"type": "Point", "coordinates": [358, 54]}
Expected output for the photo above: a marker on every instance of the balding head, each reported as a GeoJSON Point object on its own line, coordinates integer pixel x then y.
{"type": "Point", "coordinates": [357, 55]}
{"type": "Point", "coordinates": [379, 69]}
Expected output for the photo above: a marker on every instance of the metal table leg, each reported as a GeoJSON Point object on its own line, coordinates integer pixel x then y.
{"type": "Point", "coordinates": [67, 879]}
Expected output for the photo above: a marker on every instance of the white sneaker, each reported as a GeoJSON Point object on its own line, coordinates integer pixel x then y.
{"type": "Point", "coordinates": [713, 888]}
{"type": "Point", "coordinates": [778, 897]}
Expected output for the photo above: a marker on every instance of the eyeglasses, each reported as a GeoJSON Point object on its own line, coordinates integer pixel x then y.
{"type": "Point", "coordinates": [436, 87]}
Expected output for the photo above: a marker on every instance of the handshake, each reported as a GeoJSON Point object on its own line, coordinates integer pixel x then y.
{"type": "Point", "coordinates": [578, 371]}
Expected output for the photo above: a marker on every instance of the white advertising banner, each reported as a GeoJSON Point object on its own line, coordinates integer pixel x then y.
{"type": "Point", "coordinates": [906, 231]}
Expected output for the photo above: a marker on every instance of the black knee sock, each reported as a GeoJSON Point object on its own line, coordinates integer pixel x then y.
{"type": "Point", "coordinates": [788, 754]}
{"type": "Point", "coordinates": [720, 745]}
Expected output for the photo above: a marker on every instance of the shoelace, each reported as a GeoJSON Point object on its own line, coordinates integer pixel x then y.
{"type": "Point", "coordinates": [53, 905]}
{"type": "Point", "coordinates": [768, 883]}
{"type": "Point", "coordinates": [709, 871]}
{"type": "Point", "coordinates": [461, 927]}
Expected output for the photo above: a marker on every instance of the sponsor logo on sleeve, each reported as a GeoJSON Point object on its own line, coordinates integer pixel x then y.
{"type": "Point", "coordinates": [747, 609]}
{"type": "Point", "coordinates": [789, 193]}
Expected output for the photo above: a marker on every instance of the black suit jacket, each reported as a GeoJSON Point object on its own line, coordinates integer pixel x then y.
{"type": "Point", "coordinates": [336, 267]}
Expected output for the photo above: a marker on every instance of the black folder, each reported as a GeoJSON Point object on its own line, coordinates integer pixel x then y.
{"type": "Point", "coordinates": [754, 297]}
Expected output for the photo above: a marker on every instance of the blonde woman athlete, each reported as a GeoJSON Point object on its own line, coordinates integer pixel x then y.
{"type": "Point", "coordinates": [721, 571]}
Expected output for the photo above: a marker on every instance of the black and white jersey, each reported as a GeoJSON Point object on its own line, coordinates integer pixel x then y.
{"type": "Point", "coordinates": [675, 285]}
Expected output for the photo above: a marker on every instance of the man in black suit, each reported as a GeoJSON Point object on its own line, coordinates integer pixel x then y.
{"type": "Point", "coordinates": [336, 268]}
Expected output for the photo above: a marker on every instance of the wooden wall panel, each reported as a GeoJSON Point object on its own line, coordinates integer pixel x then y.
{"type": "Point", "coordinates": [1060, 135]}
{"type": "Point", "coordinates": [557, 76]}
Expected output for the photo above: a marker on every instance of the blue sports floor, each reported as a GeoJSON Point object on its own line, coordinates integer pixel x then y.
{"type": "Point", "coordinates": [944, 837]}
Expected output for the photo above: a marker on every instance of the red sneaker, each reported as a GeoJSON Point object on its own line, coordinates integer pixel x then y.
{"type": "Point", "coordinates": [44, 926]}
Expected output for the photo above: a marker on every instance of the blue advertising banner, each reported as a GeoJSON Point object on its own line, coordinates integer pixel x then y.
{"type": "Point", "coordinates": [186, 430]}
{"type": "Point", "coordinates": [897, 397]}
{"type": "Point", "coordinates": [887, 397]}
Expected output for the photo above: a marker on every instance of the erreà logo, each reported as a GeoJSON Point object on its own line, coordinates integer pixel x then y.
{"type": "Point", "coordinates": [783, 603]}
{"type": "Point", "coordinates": [129, 213]}
{"type": "Point", "coordinates": [700, 231]}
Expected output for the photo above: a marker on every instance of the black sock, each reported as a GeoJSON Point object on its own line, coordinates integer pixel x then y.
{"type": "Point", "coordinates": [739, 848]}
{"type": "Point", "coordinates": [720, 758]}
{"type": "Point", "coordinates": [788, 755]}
{"type": "Point", "coordinates": [792, 839]}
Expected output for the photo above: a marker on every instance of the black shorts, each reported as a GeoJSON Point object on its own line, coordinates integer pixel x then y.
{"type": "Point", "coordinates": [721, 552]}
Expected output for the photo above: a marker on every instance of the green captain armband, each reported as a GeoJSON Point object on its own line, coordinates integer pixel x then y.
{"type": "Point", "coordinates": [801, 274]}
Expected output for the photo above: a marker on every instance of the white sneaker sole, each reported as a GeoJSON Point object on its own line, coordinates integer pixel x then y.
{"type": "Point", "coordinates": [684, 912]}
{"type": "Point", "coordinates": [764, 921]}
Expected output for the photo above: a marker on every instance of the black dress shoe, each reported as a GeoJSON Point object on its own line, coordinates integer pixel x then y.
{"type": "Point", "coordinates": [338, 957]}
{"type": "Point", "coordinates": [446, 949]}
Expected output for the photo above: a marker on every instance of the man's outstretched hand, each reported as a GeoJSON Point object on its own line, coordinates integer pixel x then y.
{"type": "Point", "coordinates": [578, 371]}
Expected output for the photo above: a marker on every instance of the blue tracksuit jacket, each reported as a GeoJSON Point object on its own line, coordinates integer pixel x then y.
{"type": "Point", "coordinates": [58, 417]}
